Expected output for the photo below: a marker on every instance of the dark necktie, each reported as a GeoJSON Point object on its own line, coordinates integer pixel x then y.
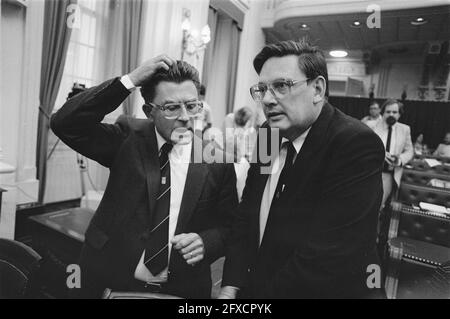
{"type": "Point", "coordinates": [157, 246]}
{"type": "Point", "coordinates": [388, 142]}
{"type": "Point", "coordinates": [288, 163]}
{"type": "Point", "coordinates": [386, 167]}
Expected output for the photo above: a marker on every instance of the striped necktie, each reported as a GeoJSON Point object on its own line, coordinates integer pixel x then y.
{"type": "Point", "coordinates": [157, 245]}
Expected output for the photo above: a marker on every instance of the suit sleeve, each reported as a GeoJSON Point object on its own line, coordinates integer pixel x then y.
{"type": "Point", "coordinates": [78, 122]}
{"type": "Point", "coordinates": [344, 229]}
{"type": "Point", "coordinates": [408, 152]}
{"type": "Point", "coordinates": [215, 239]}
{"type": "Point", "coordinates": [238, 247]}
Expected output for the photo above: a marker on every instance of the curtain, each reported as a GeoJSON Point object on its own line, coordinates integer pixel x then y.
{"type": "Point", "coordinates": [222, 71]}
{"type": "Point", "coordinates": [424, 117]}
{"type": "Point", "coordinates": [54, 49]}
{"type": "Point", "coordinates": [233, 63]}
{"type": "Point", "coordinates": [133, 24]}
{"type": "Point", "coordinates": [383, 80]}
{"type": "Point", "coordinates": [213, 17]}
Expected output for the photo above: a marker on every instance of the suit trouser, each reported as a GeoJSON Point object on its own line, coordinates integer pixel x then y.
{"type": "Point", "coordinates": [388, 186]}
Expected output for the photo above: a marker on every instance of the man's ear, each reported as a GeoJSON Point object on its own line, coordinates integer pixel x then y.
{"type": "Point", "coordinates": [320, 87]}
{"type": "Point", "coordinates": [147, 108]}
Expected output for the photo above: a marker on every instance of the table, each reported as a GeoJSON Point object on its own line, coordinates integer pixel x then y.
{"type": "Point", "coordinates": [71, 222]}
{"type": "Point", "coordinates": [58, 237]}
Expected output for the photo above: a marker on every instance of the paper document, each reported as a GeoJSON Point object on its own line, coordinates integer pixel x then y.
{"type": "Point", "coordinates": [432, 162]}
{"type": "Point", "coordinates": [434, 208]}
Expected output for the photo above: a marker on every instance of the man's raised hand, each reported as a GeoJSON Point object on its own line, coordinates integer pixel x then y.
{"type": "Point", "coordinates": [143, 72]}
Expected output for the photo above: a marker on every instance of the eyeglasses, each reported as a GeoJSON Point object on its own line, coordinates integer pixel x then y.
{"type": "Point", "coordinates": [279, 89]}
{"type": "Point", "coordinates": [174, 110]}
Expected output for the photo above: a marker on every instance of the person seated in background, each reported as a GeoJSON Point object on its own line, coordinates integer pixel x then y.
{"type": "Point", "coordinates": [443, 150]}
{"type": "Point", "coordinates": [397, 141]}
{"type": "Point", "coordinates": [420, 148]}
{"type": "Point", "coordinates": [374, 116]}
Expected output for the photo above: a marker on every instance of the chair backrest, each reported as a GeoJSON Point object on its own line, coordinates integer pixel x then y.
{"type": "Point", "coordinates": [421, 165]}
{"type": "Point", "coordinates": [411, 176]}
{"type": "Point", "coordinates": [414, 194]}
{"type": "Point", "coordinates": [18, 267]}
{"type": "Point", "coordinates": [439, 158]}
{"type": "Point", "coordinates": [424, 226]}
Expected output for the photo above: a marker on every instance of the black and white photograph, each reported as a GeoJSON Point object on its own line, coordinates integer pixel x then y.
{"type": "Point", "coordinates": [231, 152]}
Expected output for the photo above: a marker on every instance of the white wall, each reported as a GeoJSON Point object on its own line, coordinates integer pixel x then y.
{"type": "Point", "coordinates": [343, 68]}
{"type": "Point", "coordinates": [404, 70]}
{"type": "Point", "coordinates": [12, 30]}
{"type": "Point", "coordinates": [21, 30]}
{"type": "Point", "coordinates": [401, 71]}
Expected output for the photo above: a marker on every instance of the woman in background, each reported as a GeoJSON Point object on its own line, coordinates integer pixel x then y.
{"type": "Point", "coordinates": [419, 147]}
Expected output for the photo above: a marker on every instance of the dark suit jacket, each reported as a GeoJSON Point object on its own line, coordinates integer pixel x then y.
{"type": "Point", "coordinates": [324, 239]}
{"type": "Point", "coordinates": [114, 240]}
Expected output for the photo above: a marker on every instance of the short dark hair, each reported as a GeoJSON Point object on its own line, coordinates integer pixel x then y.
{"type": "Point", "coordinates": [311, 59]}
{"type": "Point", "coordinates": [202, 90]}
{"type": "Point", "coordinates": [242, 116]}
{"type": "Point", "coordinates": [388, 102]}
{"type": "Point", "coordinates": [178, 72]}
{"type": "Point", "coordinates": [373, 103]}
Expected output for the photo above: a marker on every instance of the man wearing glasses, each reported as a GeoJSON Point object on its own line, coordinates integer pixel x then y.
{"type": "Point", "coordinates": [307, 229]}
{"type": "Point", "coordinates": [163, 218]}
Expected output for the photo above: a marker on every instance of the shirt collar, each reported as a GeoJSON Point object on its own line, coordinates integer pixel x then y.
{"type": "Point", "coordinates": [298, 142]}
{"type": "Point", "coordinates": [181, 151]}
{"type": "Point", "coordinates": [159, 139]}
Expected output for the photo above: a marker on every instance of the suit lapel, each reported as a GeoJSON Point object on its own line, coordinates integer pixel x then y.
{"type": "Point", "coordinates": [196, 177]}
{"type": "Point", "coordinates": [149, 153]}
{"type": "Point", "coordinates": [308, 157]}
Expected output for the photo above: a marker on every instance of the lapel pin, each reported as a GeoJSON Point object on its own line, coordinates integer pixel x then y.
{"type": "Point", "coordinates": [163, 180]}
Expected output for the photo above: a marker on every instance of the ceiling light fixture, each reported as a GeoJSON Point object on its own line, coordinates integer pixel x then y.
{"type": "Point", "coordinates": [304, 26]}
{"type": "Point", "coordinates": [419, 21]}
{"type": "Point", "coordinates": [338, 53]}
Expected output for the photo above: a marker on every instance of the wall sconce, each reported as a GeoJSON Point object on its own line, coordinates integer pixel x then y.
{"type": "Point", "coordinates": [193, 42]}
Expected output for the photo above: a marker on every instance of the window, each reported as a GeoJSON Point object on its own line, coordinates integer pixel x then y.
{"type": "Point", "coordinates": [84, 47]}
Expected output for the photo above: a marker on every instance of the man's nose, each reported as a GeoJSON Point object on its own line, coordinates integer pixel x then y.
{"type": "Point", "coordinates": [184, 117]}
{"type": "Point", "coordinates": [269, 99]}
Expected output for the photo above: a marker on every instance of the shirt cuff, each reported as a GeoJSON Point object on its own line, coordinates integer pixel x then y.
{"type": "Point", "coordinates": [229, 291]}
{"type": "Point", "coordinates": [127, 83]}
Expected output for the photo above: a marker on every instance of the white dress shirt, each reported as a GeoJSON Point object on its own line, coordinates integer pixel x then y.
{"type": "Point", "coordinates": [179, 158]}
{"type": "Point", "coordinates": [272, 181]}
{"type": "Point", "coordinates": [127, 83]}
